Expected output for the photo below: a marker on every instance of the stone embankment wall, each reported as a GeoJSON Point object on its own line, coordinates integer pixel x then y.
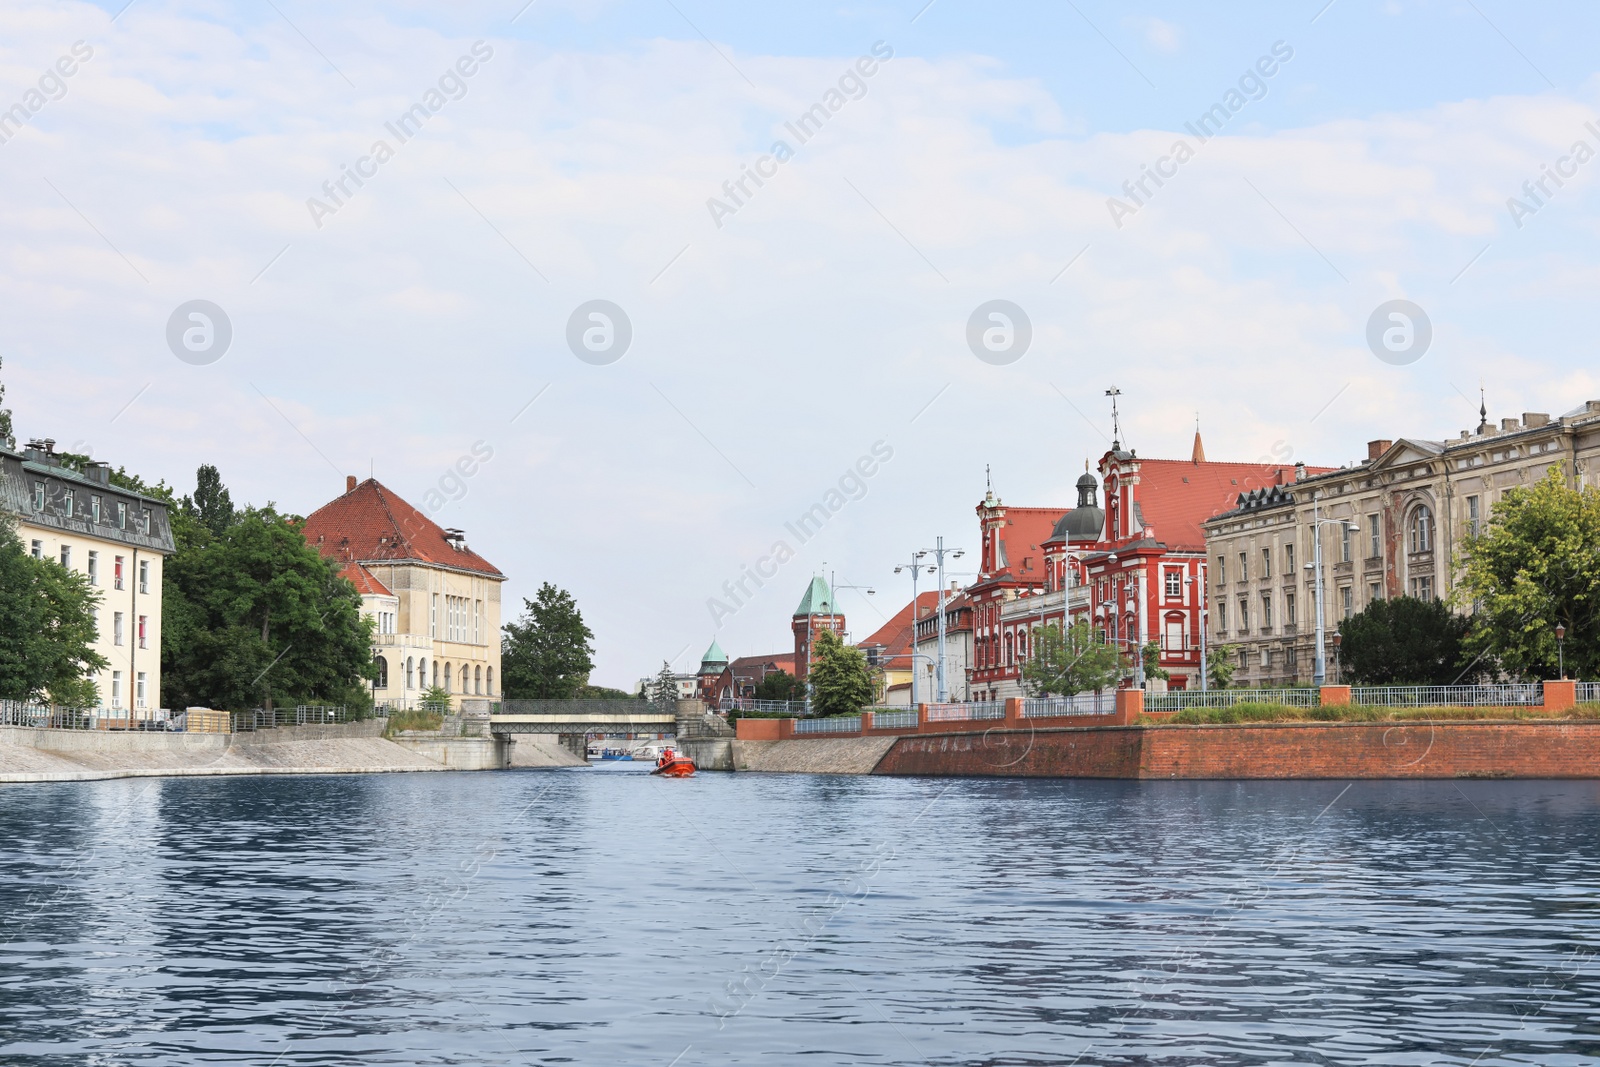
{"type": "Point", "coordinates": [827, 755]}
{"type": "Point", "coordinates": [1561, 749]}
{"type": "Point", "coordinates": [32, 755]}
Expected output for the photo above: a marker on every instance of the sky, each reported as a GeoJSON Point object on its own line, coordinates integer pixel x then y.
{"type": "Point", "coordinates": [820, 338]}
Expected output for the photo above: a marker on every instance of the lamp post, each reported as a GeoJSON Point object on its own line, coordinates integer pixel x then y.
{"type": "Point", "coordinates": [1205, 599]}
{"type": "Point", "coordinates": [1338, 638]}
{"type": "Point", "coordinates": [913, 567]}
{"type": "Point", "coordinates": [1561, 651]}
{"type": "Point", "coordinates": [939, 552]}
{"type": "Point", "coordinates": [1320, 675]}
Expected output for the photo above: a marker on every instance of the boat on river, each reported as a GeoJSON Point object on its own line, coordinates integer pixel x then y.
{"type": "Point", "coordinates": [672, 764]}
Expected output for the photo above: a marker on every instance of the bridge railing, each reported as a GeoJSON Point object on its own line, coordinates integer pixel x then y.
{"type": "Point", "coordinates": [581, 707]}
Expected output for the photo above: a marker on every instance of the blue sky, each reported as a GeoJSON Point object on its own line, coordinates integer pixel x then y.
{"type": "Point", "coordinates": [427, 316]}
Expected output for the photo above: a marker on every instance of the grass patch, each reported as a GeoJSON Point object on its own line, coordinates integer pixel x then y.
{"type": "Point", "coordinates": [412, 720]}
{"type": "Point", "coordinates": [1260, 712]}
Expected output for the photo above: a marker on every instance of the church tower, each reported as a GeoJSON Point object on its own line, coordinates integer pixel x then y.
{"type": "Point", "coordinates": [815, 614]}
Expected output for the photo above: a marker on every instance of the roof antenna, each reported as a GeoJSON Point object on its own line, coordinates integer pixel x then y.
{"type": "Point", "coordinates": [1116, 425]}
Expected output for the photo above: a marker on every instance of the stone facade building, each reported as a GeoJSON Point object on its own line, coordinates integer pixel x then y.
{"type": "Point", "coordinates": [118, 539]}
{"type": "Point", "coordinates": [1396, 523]}
{"type": "Point", "coordinates": [435, 602]}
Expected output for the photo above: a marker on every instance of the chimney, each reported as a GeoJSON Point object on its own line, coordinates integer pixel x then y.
{"type": "Point", "coordinates": [1299, 472]}
{"type": "Point", "coordinates": [349, 483]}
{"type": "Point", "coordinates": [1533, 419]}
{"type": "Point", "coordinates": [1377, 448]}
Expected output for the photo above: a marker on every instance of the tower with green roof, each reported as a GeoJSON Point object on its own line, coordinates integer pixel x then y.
{"type": "Point", "coordinates": [816, 612]}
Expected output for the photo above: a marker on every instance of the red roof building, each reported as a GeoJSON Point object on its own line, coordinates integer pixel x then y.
{"type": "Point", "coordinates": [435, 603]}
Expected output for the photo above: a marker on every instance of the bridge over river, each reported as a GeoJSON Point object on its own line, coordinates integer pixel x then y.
{"type": "Point", "coordinates": [574, 720]}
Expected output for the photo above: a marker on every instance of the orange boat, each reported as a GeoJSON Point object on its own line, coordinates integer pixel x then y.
{"type": "Point", "coordinates": [673, 765]}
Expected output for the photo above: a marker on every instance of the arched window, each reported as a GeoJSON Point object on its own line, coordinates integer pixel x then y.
{"type": "Point", "coordinates": [383, 673]}
{"type": "Point", "coordinates": [422, 673]}
{"type": "Point", "coordinates": [410, 666]}
{"type": "Point", "coordinates": [1022, 645]}
{"type": "Point", "coordinates": [447, 688]}
{"type": "Point", "coordinates": [488, 682]}
{"type": "Point", "coordinates": [477, 681]}
{"type": "Point", "coordinates": [1010, 651]}
{"type": "Point", "coordinates": [1422, 529]}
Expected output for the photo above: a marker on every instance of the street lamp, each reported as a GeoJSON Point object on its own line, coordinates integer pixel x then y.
{"type": "Point", "coordinates": [914, 566]}
{"type": "Point", "coordinates": [939, 553]}
{"type": "Point", "coordinates": [1205, 599]}
{"type": "Point", "coordinates": [1320, 676]}
{"type": "Point", "coordinates": [1338, 639]}
{"type": "Point", "coordinates": [1561, 652]}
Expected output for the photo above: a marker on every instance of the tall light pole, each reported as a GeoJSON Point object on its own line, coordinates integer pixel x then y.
{"type": "Point", "coordinates": [1205, 600]}
{"type": "Point", "coordinates": [914, 566]}
{"type": "Point", "coordinates": [1320, 674]}
{"type": "Point", "coordinates": [1561, 650]}
{"type": "Point", "coordinates": [939, 552]}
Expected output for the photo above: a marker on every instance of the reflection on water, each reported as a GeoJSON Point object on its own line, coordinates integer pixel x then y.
{"type": "Point", "coordinates": [609, 917]}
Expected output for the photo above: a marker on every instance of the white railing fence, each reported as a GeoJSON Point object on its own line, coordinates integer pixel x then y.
{"type": "Point", "coordinates": [845, 724]}
{"type": "Point", "coordinates": [899, 719]}
{"type": "Point", "coordinates": [1183, 699]}
{"type": "Point", "coordinates": [797, 708]}
{"type": "Point", "coordinates": [985, 709]}
{"type": "Point", "coordinates": [1589, 692]}
{"type": "Point", "coordinates": [1102, 703]}
{"type": "Point", "coordinates": [1500, 695]}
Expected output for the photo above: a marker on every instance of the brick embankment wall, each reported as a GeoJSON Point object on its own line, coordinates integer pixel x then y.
{"type": "Point", "coordinates": [1266, 750]}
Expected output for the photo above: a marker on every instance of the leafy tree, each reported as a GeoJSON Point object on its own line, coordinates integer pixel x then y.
{"type": "Point", "coordinates": [1536, 565]}
{"type": "Point", "coordinates": [1402, 641]}
{"type": "Point", "coordinates": [663, 692]}
{"type": "Point", "coordinates": [435, 696]}
{"type": "Point", "coordinates": [211, 504]}
{"type": "Point", "coordinates": [1076, 661]}
{"type": "Point", "coordinates": [1221, 662]}
{"type": "Point", "coordinates": [841, 681]}
{"type": "Point", "coordinates": [779, 685]}
{"type": "Point", "coordinates": [600, 692]}
{"type": "Point", "coordinates": [1152, 663]}
{"type": "Point", "coordinates": [47, 628]}
{"type": "Point", "coordinates": [548, 653]}
{"type": "Point", "coordinates": [254, 614]}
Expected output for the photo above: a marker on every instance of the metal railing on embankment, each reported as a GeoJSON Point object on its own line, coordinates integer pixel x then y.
{"type": "Point", "coordinates": [843, 724]}
{"type": "Point", "coordinates": [1100, 703]}
{"type": "Point", "coordinates": [895, 719]}
{"type": "Point", "coordinates": [301, 715]}
{"type": "Point", "coordinates": [798, 709]}
{"type": "Point", "coordinates": [982, 709]}
{"type": "Point", "coordinates": [1184, 699]}
{"type": "Point", "coordinates": [1589, 692]}
{"type": "Point", "coordinates": [45, 717]}
{"type": "Point", "coordinates": [1498, 695]}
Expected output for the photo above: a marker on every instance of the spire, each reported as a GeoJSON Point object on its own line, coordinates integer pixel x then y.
{"type": "Point", "coordinates": [1198, 456]}
{"type": "Point", "coordinates": [1483, 410]}
{"type": "Point", "coordinates": [1116, 425]}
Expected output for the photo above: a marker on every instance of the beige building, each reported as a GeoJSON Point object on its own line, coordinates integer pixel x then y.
{"type": "Point", "coordinates": [434, 602]}
{"type": "Point", "coordinates": [1393, 524]}
{"type": "Point", "coordinates": [118, 539]}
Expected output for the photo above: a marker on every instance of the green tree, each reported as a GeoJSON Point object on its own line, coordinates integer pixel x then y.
{"type": "Point", "coordinates": [1221, 662]}
{"type": "Point", "coordinates": [548, 653]}
{"type": "Point", "coordinates": [211, 504]}
{"type": "Point", "coordinates": [779, 685]}
{"type": "Point", "coordinates": [256, 615]}
{"type": "Point", "coordinates": [1076, 661]}
{"type": "Point", "coordinates": [435, 696]}
{"type": "Point", "coordinates": [1536, 565]}
{"type": "Point", "coordinates": [47, 628]}
{"type": "Point", "coordinates": [1402, 641]}
{"type": "Point", "coordinates": [841, 681]}
{"type": "Point", "coordinates": [1152, 662]}
{"type": "Point", "coordinates": [662, 693]}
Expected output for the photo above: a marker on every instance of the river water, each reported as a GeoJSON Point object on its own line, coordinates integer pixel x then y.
{"type": "Point", "coordinates": [606, 917]}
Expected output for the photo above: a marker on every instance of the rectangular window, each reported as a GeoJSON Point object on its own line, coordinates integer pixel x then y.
{"type": "Point", "coordinates": [38, 496]}
{"type": "Point", "coordinates": [122, 515]}
{"type": "Point", "coordinates": [116, 689]}
{"type": "Point", "coordinates": [1222, 570]}
{"type": "Point", "coordinates": [1422, 588]}
{"type": "Point", "coordinates": [94, 509]}
{"type": "Point", "coordinates": [143, 622]}
{"type": "Point", "coordinates": [1374, 538]}
{"type": "Point", "coordinates": [38, 550]}
{"type": "Point", "coordinates": [1244, 659]}
{"type": "Point", "coordinates": [1244, 567]}
{"type": "Point", "coordinates": [66, 556]}
{"type": "Point", "coordinates": [144, 576]}
{"type": "Point", "coordinates": [1174, 584]}
{"type": "Point", "coordinates": [69, 503]}
{"type": "Point", "coordinates": [1472, 516]}
{"type": "Point", "coordinates": [139, 690]}
{"type": "Point", "coordinates": [1266, 659]}
{"type": "Point", "coordinates": [1291, 657]}
{"type": "Point", "coordinates": [116, 574]}
{"type": "Point", "coordinates": [1344, 542]}
{"type": "Point", "coordinates": [1266, 563]}
{"type": "Point", "coordinates": [1290, 618]}
{"type": "Point", "coordinates": [1374, 591]}
{"type": "Point", "coordinates": [433, 617]}
{"type": "Point", "coordinates": [1266, 613]}
{"type": "Point", "coordinates": [94, 568]}
{"type": "Point", "coordinates": [144, 521]}
{"type": "Point", "coordinates": [1346, 601]}
{"type": "Point", "coordinates": [1222, 616]}
{"type": "Point", "coordinates": [477, 621]}
{"type": "Point", "coordinates": [1288, 558]}
{"type": "Point", "coordinates": [116, 628]}
{"type": "Point", "coordinates": [1244, 615]}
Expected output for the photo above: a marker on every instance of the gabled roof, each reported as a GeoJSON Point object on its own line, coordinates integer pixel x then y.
{"type": "Point", "coordinates": [817, 601]}
{"type": "Point", "coordinates": [1176, 495]}
{"type": "Point", "coordinates": [370, 524]}
{"type": "Point", "coordinates": [894, 636]}
{"type": "Point", "coordinates": [1408, 450]}
{"type": "Point", "coordinates": [363, 580]}
{"type": "Point", "coordinates": [1021, 539]}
